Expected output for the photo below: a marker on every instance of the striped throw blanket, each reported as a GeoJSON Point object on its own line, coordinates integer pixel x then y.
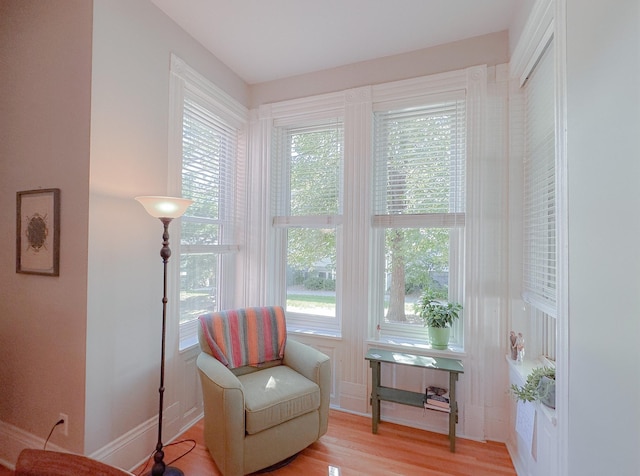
{"type": "Point", "coordinates": [250, 336]}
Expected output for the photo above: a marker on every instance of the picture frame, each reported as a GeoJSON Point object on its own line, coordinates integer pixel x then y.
{"type": "Point", "coordinates": [38, 232]}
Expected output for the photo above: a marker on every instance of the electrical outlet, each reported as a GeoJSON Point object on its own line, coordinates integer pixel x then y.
{"type": "Point", "coordinates": [65, 425]}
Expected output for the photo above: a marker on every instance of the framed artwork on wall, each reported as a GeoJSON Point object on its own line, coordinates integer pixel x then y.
{"type": "Point", "coordinates": [38, 232]}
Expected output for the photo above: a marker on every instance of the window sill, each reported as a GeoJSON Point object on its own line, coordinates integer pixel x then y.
{"type": "Point", "coordinates": [417, 346]}
{"type": "Point", "coordinates": [306, 331]}
{"type": "Point", "coordinates": [522, 370]}
{"type": "Point", "coordinates": [518, 373]}
{"type": "Point", "coordinates": [187, 345]}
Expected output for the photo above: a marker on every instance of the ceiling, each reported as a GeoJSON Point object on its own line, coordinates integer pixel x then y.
{"type": "Point", "coordinates": [263, 40]}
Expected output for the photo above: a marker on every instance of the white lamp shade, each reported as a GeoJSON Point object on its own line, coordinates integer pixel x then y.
{"type": "Point", "coordinates": [164, 207]}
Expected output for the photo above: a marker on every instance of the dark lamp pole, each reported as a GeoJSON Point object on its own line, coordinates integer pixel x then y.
{"type": "Point", "coordinates": [166, 209]}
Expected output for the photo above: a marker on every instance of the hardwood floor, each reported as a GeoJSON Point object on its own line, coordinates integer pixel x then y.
{"type": "Point", "coordinates": [350, 446]}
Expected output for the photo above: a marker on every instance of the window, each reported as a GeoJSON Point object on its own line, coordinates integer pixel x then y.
{"type": "Point", "coordinates": [307, 215]}
{"type": "Point", "coordinates": [419, 155]}
{"type": "Point", "coordinates": [539, 214]}
{"type": "Point", "coordinates": [208, 131]}
{"type": "Point", "coordinates": [368, 204]}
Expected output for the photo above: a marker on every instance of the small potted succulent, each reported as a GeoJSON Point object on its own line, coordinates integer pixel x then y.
{"type": "Point", "coordinates": [540, 386]}
{"type": "Point", "coordinates": [437, 316]}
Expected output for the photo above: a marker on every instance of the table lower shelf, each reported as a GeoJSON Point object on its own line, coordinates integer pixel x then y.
{"type": "Point", "coordinates": [405, 397]}
{"type": "Point", "coordinates": [414, 399]}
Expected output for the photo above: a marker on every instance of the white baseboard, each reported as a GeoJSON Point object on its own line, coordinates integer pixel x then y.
{"type": "Point", "coordinates": [13, 440]}
{"type": "Point", "coordinates": [127, 452]}
{"type": "Point", "coordinates": [515, 459]}
{"type": "Point", "coordinates": [124, 452]}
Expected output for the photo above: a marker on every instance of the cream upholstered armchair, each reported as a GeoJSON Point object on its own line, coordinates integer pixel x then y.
{"type": "Point", "coordinates": [266, 398]}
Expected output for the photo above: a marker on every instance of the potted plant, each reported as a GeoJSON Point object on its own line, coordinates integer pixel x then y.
{"type": "Point", "coordinates": [539, 386]}
{"type": "Point", "coordinates": [437, 316]}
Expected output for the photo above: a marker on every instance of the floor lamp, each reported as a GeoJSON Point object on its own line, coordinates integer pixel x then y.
{"type": "Point", "coordinates": [166, 209]}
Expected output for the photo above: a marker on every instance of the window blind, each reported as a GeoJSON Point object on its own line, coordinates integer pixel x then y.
{"type": "Point", "coordinates": [419, 165]}
{"type": "Point", "coordinates": [539, 215]}
{"type": "Point", "coordinates": [209, 150]}
{"type": "Point", "coordinates": [308, 175]}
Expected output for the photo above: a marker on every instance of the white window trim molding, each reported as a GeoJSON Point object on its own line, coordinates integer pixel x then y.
{"type": "Point", "coordinates": [340, 104]}
{"type": "Point", "coordinates": [226, 106]}
{"type": "Point", "coordinates": [473, 81]}
{"type": "Point", "coordinates": [535, 36]}
{"type": "Point", "coordinates": [407, 93]}
{"type": "Point", "coordinates": [307, 111]}
{"type": "Point", "coordinates": [184, 78]}
{"type": "Point", "coordinates": [547, 19]}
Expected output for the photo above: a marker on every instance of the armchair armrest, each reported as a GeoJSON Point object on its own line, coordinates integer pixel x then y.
{"type": "Point", "coordinates": [215, 371]}
{"type": "Point", "coordinates": [315, 366]}
{"type": "Point", "coordinates": [305, 360]}
{"type": "Point", "coordinates": [224, 424]}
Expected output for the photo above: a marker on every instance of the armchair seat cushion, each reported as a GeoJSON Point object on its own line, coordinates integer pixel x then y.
{"type": "Point", "coordinates": [276, 395]}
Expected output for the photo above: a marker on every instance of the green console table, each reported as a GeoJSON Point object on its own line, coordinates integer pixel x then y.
{"type": "Point", "coordinates": [376, 357]}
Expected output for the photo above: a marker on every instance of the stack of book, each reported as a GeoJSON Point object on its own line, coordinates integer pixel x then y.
{"type": "Point", "coordinates": [437, 398]}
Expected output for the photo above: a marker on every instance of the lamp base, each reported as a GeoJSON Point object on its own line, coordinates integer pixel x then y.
{"type": "Point", "coordinates": [169, 471]}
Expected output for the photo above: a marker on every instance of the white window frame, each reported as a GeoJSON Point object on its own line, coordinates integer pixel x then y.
{"type": "Point", "coordinates": [356, 107]}
{"type": "Point", "coordinates": [541, 305]}
{"type": "Point", "coordinates": [301, 322]}
{"type": "Point", "coordinates": [185, 79]}
{"type": "Point", "coordinates": [548, 18]}
{"type": "Point", "coordinates": [414, 93]}
{"type": "Point", "coordinates": [540, 276]}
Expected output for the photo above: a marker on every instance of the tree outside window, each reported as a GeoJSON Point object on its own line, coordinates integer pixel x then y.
{"type": "Point", "coordinates": [419, 194]}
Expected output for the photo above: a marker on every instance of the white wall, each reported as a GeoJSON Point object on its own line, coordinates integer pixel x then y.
{"type": "Point", "coordinates": [603, 99]}
{"type": "Point", "coordinates": [518, 21]}
{"type": "Point", "coordinates": [45, 71]}
{"type": "Point", "coordinates": [132, 43]}
{"type": "Point", "coordinates": [491, 49]}
{"type": "Point", "coordinates": [84, 97]}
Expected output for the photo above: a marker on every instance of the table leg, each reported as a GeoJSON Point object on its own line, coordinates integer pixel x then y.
{"type": "Point", "coordinates": [375, 400]}
{"type": "Point", "coordinates": [453, 416]}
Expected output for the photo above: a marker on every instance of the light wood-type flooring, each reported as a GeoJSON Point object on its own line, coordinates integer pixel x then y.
{"type": "Point", "coordinates": [350, 446]}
